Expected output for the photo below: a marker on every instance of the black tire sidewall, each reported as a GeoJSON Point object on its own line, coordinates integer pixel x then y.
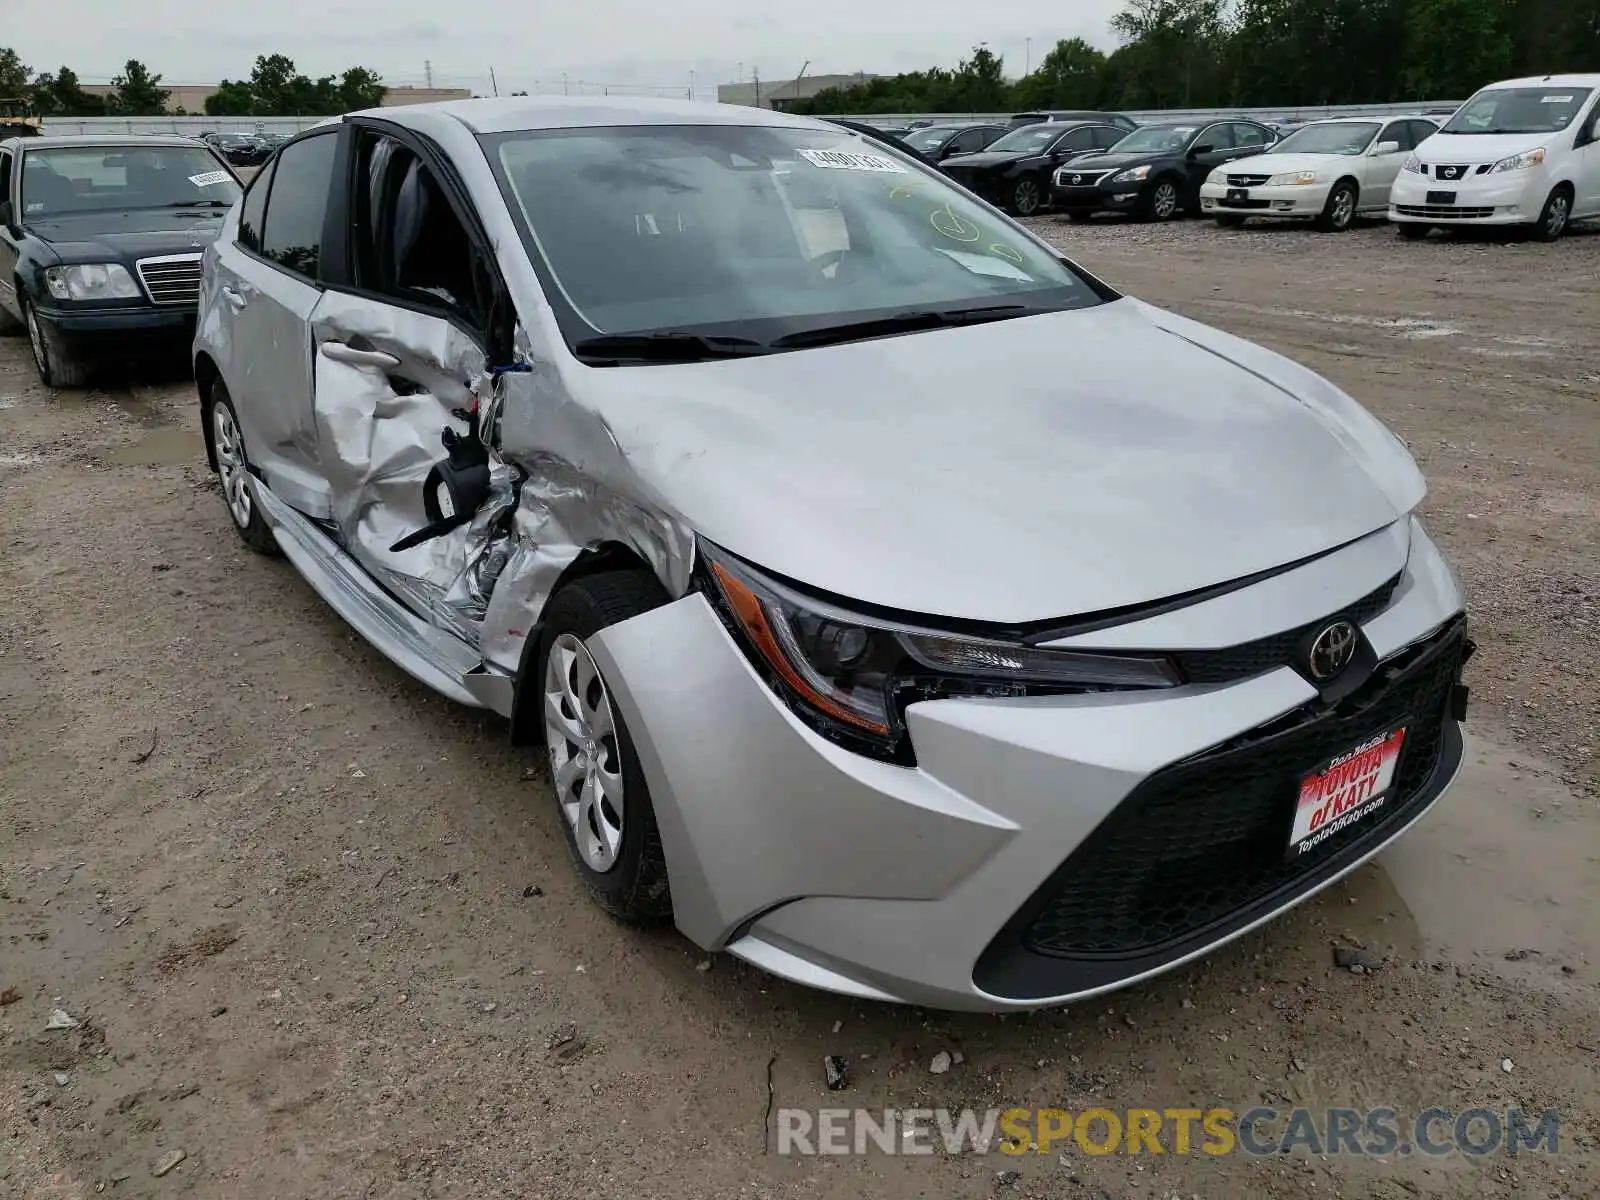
{"type": "Point", "coordinates": [257, 534]}
{"type": "Point", "coordinates": [1016, 190]}
{"type": "Point", "coordinates": [1541, 231]}
{"type": "Point", "coordinates": [1333, 197]}
{"type": "Point", "coordinates": [628, 885]}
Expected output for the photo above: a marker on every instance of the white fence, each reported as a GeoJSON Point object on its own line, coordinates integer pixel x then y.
{"type": "Point", "coordinates": [187, 126]}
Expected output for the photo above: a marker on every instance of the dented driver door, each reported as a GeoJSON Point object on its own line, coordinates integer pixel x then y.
{"type": "Point", "coordinates": [397, 356]}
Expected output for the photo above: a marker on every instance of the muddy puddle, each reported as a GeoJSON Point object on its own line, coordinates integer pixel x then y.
{"type": "Point", "coordinates": [164, 446]}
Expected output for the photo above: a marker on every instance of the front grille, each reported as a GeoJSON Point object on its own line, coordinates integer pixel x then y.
{"type": "Point", "coordinates": [172, 279]}
{"type": "Point", "coordinates": [1199, 841]}
{"type": "Point", "coordinates": [1443, 212]}
{"type": "Point", "coordinates": [1450, 171]}
{"type": "Point", "coordinates": [1079, 178]}
{"type": "Point", "coordinates": [1247, 180]}
{"type": "Point", "coordinates": [1278, 650]}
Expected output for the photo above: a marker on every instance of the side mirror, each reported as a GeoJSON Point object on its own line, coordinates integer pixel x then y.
{"type": "Point", "coordinates": [1386, 148]}
{"type": "Point", "coordinates": [1203, 148]}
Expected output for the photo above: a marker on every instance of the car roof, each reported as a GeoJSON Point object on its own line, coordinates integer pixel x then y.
{"type": "Point", "coordinates": [57, 141]}
{"type": "Point", "coordinates": [1546, 81]}
{"type": "Point", "coordinates": [517, 113]}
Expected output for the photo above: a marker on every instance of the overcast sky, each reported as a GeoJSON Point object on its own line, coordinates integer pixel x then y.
{"type": "Point", "coordinates": [532, 45]}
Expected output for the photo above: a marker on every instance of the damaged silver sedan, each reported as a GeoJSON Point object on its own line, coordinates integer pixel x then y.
{"type": "Point", "coordinates": [900, 608]}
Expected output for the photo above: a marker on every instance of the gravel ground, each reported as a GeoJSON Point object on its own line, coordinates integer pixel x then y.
{"type": "Point", "coordinates": [320, 935]}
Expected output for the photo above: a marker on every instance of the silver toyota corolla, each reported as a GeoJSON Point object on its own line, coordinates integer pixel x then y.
{"type": "Point", "coordinates": [901, 609]}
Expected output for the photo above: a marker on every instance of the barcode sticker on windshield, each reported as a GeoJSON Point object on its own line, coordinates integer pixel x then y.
{"type": "Point", "coordinates": [1555, 99]}
{"type": "Point", "coordinates": [845, 160]}
{"type": "Point", "coordinates": [209, 178]}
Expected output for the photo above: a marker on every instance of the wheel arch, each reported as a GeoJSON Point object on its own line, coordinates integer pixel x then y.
{"type": "Point", "coordinates": [598, 559]}
{"type": "Point", "coordinates": [206, 375]}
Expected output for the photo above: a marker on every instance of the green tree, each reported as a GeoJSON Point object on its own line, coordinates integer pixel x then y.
{"type": "Point", "coordinates": [1455, 47]}
{"type": "Point", "coordinates": [14, 75]}
{"type": "Point", "coordinates": [277, 87]}
{"type": "Point", "coordinates": [137, 93]}
{"type": "Point", "coordinates": [360, 88]}
{"type": "Point", "coordinates": [59, 94]}
{"type": "Point", "coordinates": [232, 99]}
{"type": "Point", "coordinates": [1070, 76]}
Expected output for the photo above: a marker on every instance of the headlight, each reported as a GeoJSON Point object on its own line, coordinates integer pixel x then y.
{"type": "Point", "coordinates": [1132, 175]}
{"type": "Point", "coordinates": [1412, 164]}
{"type": "Point", "coordinates": [851, 676]}
{"type": "Point", "coordinates": [1292, 179]}
{"type": "Point", "coordinates": [91, 281]}
{"type": "Point", "coordinates": [1518, 162]}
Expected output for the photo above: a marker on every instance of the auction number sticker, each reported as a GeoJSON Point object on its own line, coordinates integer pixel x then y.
{"type": "Point", "coordinates": [210, 178]}
{"type": "Point", "coordinates": [848, 160]}
{"type": "Point", "coordinates": [1350, 788]}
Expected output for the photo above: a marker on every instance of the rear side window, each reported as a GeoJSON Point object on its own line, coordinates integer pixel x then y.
{"type": "Point", "coordinates": [1421, 131]}
{"type": "Point", "coordinates": [291, 235]}
{"type": "Point", "coordinates": [255, 206]}
{"type": "Point", "coordinates": [1108, 136]}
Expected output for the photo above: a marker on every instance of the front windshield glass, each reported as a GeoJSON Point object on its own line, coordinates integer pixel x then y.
{"type": "Point", "coordinates": [84, 179]}
{"type": "Point", "coordinates": [1030, 140]}
{"type": "Point", "coordinates": [929, 138]}
{"type": "Point", "coordinates": [1519, 110]}
{"type": "Point", "coordinates": [1341, 137]}
{"type": "Point", "coordinates": [1155, 139]}
{"type": "Point", "coordinates": [759, 232]}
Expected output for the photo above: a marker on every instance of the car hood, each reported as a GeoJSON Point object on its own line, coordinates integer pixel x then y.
{"type": "Point", "coordinates": [1277, 164]}
{"type": "Point", "coordinates": [137, 233]}
{"type": "Point", "coordinates": [983, 159]}
{"type": "Point", "coordinates": [1022, 470]}
{"type": "Point", "coordinates": [1106, 162]}
{"type": "Point", "coordinates": [1474, 148]}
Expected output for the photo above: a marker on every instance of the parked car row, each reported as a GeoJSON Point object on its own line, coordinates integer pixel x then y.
{"type": "Point", "coordinates": [244, 149]}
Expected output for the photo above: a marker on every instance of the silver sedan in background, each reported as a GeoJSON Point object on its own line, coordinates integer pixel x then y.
{"type": "Point", "coordinates": [900, 608]}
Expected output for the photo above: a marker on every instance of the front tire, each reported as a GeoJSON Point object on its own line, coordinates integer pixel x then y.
{"type": "Point", "coordinates": [1026, 198]}
{"type": "Point", "coordinates": [58, 366]}
{"type": "Point", "coordinates": [1339, 213]}
{"type": "Point", "coordinates": [1161, 203]}
{"type": "Point", "coordinates": [1555, 216]}
{"type": "Point", "coordinates": [233, 468]}
{"type": "Point", "coordinates": [607, 816]}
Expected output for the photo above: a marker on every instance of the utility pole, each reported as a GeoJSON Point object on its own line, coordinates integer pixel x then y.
{"type": "Point", "coordinates": [799, 77]}
{"type": "Point", "coordinates": [755, 74]}
{"type": "Point", "coordinates": [427, 73]}
{"type": "Point", "coordinates": [691, 85]}
{"type": "Point", "coordinates": [1027, 57]}
{"type": "Point", "coordinates": [494, 83]}
{"type": "Point", "coordinates": [564, 90]}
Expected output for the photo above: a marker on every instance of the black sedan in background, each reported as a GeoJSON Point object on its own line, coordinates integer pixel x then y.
{"type": "Point", "coordinates": [100, 245]}
{"type": "Point", "coordinates": [1155, 173]}
{"type": "Point", "coordinates": [240, 149]}
{"type": "Point", "coordinates": [939, 142]}
{"type": "Point", "coordinates": [1014, 172]}
{"type": "Point", "coordinates": [883, 137]}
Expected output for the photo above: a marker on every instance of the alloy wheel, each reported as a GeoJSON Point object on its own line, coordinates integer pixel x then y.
{"type": "Point", "coordinates": [1165, 201]}
{"type": "Point", "coordinates": [585, 763]}
{"type": "Point", "coordinates": [1026, 198]}
{"type": "Point", "coordinates": [1344, 208]}
{"type": "Point", "coordinates": [1556, 222]}
{"type": "Point", "coordinates": [231, 464]}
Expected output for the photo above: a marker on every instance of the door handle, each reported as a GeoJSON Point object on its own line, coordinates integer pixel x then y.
{"type": "Point", "coordinates": [234, 298]}
{"type": "Point", "coordinates": [343, 353]}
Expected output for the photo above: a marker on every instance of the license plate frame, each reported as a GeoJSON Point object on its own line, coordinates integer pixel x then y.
{"type": "Point", "coordinates": [1441, 197]}
{"type": "Point", "coordinates": [1345, 791]}
{"type": "Point", "coordinates": [1238, 195]}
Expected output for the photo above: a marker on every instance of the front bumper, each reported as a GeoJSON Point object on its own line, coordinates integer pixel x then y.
{"type": "Point", "coordinates": [131, 324]}
{"type": "Point", "coordinates": [1300, 200]}
{"type": "Point", "coordinates": [999, 873]}
{"type": "Point", "coordinates": [992, 186]}
{"type": "Point", "coordinates": [1512, 198]}
{"type": "Point", "coordinates": [1119, 197]}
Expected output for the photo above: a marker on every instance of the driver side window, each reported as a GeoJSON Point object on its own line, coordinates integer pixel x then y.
{"type": "Point", "coordinates": [1218, 137]}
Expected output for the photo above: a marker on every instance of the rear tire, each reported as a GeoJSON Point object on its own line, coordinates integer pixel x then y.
{"type": "Point", "coordinates": [1555, 216]}
{"type": "Point", "coordinates": [58, 366]}
{"type": "Point", "coordinates": [1412, 232]}
{"type": "Point", "coordinates": [604, 801]}
{"type": "Point", "coordinates": [233, 468]}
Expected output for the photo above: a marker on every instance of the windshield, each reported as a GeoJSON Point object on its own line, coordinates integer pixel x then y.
{"type": "Point", "coordinates": [1341, 137]}
{"type": "Point", "coordinates": [1519, 110]}
{"type": "Point", "coordinates": [101, 179]}
{"type": "Point", "coordinates": [1155, 139]}
{"type": "Point", "coordinates": [931, 137]}
{"type": "Point", "coordinates": [1031, 140]}
{"type": "Point", "coordinates": [758, 232]}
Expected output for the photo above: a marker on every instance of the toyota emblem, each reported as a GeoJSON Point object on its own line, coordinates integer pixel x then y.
{"type": "Point", "coordinates": [1331, 650]}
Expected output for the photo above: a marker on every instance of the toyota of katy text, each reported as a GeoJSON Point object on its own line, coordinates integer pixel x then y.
{"type": "Point", "coordinates": [100, 245]}
{"type": "Point", "coordinates": [1329, 172]}
{"type": "Point", "coordinates": [1524, 154]}
{"type": "Point", "coordinates": [650, 425]}
{"type": "Point", "coordinates": [1156, 172]}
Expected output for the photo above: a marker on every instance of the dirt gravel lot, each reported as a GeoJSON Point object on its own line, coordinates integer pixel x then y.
{"type": "Point", "coordinates": [320, 935]}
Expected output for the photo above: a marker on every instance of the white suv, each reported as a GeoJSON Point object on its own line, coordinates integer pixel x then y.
{"type": "Point", "coordinates": [1523, 152]}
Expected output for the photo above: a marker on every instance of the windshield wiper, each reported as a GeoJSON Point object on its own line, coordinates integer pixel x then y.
{"type": "Point", "coordinates": [668, 345]}
{"type": "Point", "coordinates": [199, 204]}
{"type": "Point", "coordinates": [906, 322]}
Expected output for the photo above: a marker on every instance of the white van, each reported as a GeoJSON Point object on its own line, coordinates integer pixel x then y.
{"type": "Point", "coordinates": [1523, 152]}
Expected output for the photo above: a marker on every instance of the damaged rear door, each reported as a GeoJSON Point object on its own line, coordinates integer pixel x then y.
{"type": "Point", "coordinates": [401, 349]}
